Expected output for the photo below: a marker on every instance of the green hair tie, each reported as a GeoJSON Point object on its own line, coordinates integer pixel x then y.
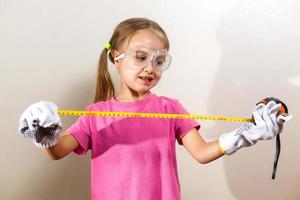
{"type": "Point", "coordinates": [107, 46]}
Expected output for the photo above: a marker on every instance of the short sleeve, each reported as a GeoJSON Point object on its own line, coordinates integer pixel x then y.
{"type": "Point", "coordinates": [80, 130]}
{"type": "Point", "coordinates": [183, 126]}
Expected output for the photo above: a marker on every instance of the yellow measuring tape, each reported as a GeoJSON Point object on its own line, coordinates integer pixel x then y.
{"type": "Point", "coordinates": [150, 115]}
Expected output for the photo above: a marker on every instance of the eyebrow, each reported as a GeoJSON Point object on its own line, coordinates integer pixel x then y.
{"type": "Point", "coordinates": [152, 49]}
{"type": "Point", "coordinates": [141, 52]}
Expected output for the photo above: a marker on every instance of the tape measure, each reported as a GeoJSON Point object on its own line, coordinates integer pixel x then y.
{"type": "Point", "coordinates": [150, 115]}
{"type": "Point", "coordinates": [283, 109]}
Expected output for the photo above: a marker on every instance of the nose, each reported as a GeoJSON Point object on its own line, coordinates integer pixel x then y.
{"type": "Point", "coordinates": [149, 68]}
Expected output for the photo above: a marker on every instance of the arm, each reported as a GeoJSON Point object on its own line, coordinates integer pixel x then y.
{"type": "Point", "coordinates": [204, 152]}
{"type": "Point", "coordinates": [268, 124]}
{"type": "Point", "coordinates": [66, 144]}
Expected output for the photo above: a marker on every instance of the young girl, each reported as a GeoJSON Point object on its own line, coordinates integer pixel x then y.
{"type": "Point", "coordinates": [134, 158]}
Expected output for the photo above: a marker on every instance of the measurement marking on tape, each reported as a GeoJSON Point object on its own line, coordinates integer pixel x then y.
{"type": "Point", "coordinates": [150, 115]}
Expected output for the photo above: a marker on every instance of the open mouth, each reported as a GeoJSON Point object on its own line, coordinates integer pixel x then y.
{"type": "Point", "coordinates": [147, 79]}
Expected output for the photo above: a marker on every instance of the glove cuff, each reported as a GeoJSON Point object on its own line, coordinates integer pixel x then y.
{"type": "Point", "coordinates": [226, 143]}
{"type": "Point", "coordinates": [221, 147]}
{"type": "Point", "coordinates": [48, 141]}
{"type": "Point", "coordinates": [232, 141]}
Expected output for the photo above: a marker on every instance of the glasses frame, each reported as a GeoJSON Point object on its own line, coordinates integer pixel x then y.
{"type": "Point", "coordinates": [152, 57]}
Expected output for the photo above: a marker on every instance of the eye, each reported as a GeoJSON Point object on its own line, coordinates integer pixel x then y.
{"type": "Point", "coordinates": [141, 58]}
{"type": "Point", "coordinates": [160, 61]}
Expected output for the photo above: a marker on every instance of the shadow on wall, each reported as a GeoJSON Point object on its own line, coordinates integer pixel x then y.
{"type": "Point", "coordinates": [260, 52]}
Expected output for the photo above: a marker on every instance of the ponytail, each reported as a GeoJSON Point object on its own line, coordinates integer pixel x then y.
{"type": "Point", "coordinates": [104, 88]}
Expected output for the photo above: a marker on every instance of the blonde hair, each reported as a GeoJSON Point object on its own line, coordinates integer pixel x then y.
{"type": "Point", "coordinates": [122, 34]}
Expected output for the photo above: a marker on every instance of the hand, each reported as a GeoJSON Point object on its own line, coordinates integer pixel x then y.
{"type": "Point", "coordinates": [267, 125]}
{"type": "Point", "coordinates": [41, 123]}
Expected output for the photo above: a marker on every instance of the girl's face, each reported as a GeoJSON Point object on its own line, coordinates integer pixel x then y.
{"type": "Point", "coordinates": [134, 76]}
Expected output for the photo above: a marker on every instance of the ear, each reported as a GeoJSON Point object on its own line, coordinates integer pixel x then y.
{"type": "Point", "coordinates": [114, 54]}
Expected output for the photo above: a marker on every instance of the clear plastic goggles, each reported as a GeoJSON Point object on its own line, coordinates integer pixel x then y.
{"type": "Point", "coordinates": [142, 57]}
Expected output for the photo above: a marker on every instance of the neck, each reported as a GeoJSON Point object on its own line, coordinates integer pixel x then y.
{"type": "Point", "coordinates": [131, 95]}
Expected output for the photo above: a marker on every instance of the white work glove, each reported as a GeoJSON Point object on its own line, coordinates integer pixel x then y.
{"type": "Point", "coordinates": [268, 124]}
{"type": "Point", "coordinates": [41, 123]}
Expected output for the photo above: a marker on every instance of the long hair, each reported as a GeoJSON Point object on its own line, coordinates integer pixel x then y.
{"type": "Point", "coordinates": [122, 34]}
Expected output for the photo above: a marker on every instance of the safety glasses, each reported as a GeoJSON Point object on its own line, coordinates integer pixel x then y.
{"type": "Point", "coordinates": [141, 57]}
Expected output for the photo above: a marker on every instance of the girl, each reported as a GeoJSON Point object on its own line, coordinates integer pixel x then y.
{"type": "Point", "coordinates": [134, 158]}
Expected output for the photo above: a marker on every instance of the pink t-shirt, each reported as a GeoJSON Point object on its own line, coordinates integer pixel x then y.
{"type": "Point", "coordinates": [133, 158]}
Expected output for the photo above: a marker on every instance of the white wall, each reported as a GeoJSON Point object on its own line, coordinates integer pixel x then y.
{"type": "Point", "coordinates": [227, 56]}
